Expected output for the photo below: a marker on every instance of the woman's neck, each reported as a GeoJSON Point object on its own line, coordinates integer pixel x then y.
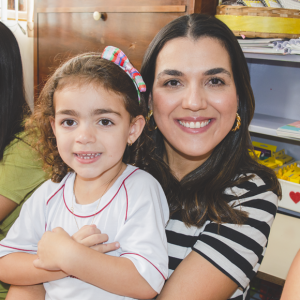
{"type": "Point", "coordinates": [181, 164]}
{"type": "Point", "coordinates": [90, 190]}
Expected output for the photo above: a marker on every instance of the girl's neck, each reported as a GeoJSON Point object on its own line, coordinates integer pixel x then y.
{"type": "Point", "coordinates": [90, 190]}
{"type": "Point", "coordinates": [182, 164]}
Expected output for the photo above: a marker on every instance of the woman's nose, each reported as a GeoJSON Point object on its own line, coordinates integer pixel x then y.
{"type": "Point", "coordinates": [86, 135]}
{"type": "Point", "coordinates": [194, 99]}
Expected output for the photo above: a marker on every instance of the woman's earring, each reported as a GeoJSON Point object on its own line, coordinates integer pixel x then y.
{"type": "Point", "coordinates": [238, 123]}
{"type": "Point", "coordinates": [129, 144]}
{"type": "Point", "coordinates": [150, 114]}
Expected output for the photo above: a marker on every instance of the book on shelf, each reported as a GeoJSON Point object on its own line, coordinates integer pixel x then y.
{"type": "Point", "coordinates": [290, 130]}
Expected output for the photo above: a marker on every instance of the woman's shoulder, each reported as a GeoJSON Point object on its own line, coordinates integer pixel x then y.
{"type": "Point", "coordinates": [252, 187]}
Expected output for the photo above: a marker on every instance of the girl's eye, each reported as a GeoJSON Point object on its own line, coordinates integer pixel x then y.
{"type": "Point", "coordinates": [105, 122]}
{"type": "Point", "coordinates": [216, 81]}
{"type": "Point", "coordinates": [69, 123]}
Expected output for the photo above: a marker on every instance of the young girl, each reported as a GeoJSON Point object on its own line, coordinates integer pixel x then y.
{"type": "Point", "coordinates": [91, 121]}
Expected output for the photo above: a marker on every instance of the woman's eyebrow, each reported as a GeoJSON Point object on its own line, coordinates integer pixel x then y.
{"type": "Point", "coordinates": [170, 73]}
{"type": "Point", "coordinates": [216, 71]}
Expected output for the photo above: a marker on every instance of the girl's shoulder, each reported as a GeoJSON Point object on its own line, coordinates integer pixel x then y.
{"type": "Point", "coordinates": [49, 189]}
{"type": "Point", "coordinates": [139, 178]}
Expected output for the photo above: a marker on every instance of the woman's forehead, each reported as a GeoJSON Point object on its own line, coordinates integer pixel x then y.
{"type": "Point", "coordinates": [189, 55]}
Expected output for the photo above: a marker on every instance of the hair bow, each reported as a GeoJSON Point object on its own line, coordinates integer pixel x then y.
{"type": "Point", "coordinates": [120, 59]}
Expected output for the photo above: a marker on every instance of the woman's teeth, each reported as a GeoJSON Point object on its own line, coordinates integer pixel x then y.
{"type": "Point", "coordinates": [194, 124]}
{"type": "Point", "coordinates": [88, 156]}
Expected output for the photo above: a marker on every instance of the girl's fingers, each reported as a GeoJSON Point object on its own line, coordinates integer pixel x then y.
{"type": "Point", "coordinates": [94, 239]}
{"type": "Point", "coordinates": [103, 248]}
{"type": "Point", "coordinates": [85, 232]}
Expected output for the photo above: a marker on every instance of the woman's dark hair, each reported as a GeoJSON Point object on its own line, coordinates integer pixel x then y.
{"type": "Point", "coordinates": [201, 191]}
{"type": "Point", "coordinates": [91, 69]}
{"type": "Point", "coordinates": [13, 106]}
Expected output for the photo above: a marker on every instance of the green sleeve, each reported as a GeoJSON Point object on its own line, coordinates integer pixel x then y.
{"type": "Point", "coordinates": [20, 171]}
{"type": "Point", "coordinates": [20, 174]}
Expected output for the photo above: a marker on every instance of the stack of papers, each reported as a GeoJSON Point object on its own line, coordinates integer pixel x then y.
{"type": "Point", "coordinates": [271, 46]}
{"type": "Point", "coordinates": [291, 130]}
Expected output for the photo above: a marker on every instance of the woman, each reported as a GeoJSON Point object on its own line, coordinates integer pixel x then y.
{"type": "Point", "coordinates": [198, 87]}
{"type": "Point", "coordinates": [20, 174]}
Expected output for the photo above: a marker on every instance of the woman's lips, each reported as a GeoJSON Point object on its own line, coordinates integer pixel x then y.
{"type": "Point", "coordinates": [194, 125]}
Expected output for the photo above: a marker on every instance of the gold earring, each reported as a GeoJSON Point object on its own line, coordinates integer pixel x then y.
{"type": "Point", "coordinates": [129, 144]}
{"type": "Point", "coordinates": [238, 123]}
{"type": "Point", "coordinates": [150, 114]}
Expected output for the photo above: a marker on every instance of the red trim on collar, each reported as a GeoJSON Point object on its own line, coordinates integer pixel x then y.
{"type": "Point", "coordinates": [58, 190]}
{"type": "Point", "coordinates": [104, 206]}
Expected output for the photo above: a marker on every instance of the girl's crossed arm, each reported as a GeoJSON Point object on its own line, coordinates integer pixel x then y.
{"type": "Point", "coordinates": [27, 274]}
{"type": "Point", "coordinates": [118, 275]}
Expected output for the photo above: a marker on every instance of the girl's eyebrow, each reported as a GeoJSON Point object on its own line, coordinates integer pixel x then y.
{"type": "Point", "coordinates": [69, 112]}
{"type": "Point", "coordinates": [101, 111]}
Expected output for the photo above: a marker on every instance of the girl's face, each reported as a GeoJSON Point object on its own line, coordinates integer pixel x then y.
{"type": "Point", "coordinates": [92, 128]}
{"type": "Point", "coordinates": [194, 97]}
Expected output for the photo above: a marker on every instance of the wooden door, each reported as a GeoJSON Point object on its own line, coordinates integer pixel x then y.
{"type": "Point", "coordinates": [66, 28]}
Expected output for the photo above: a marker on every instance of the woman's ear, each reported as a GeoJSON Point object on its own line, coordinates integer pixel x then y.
{"type": "Point", "coordinates": [150, 102]}
{"type": "Point", "coordinates": [136, 127]}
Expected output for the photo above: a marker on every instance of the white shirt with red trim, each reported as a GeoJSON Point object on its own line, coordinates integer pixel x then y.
{"type": "Point", "coordinates": [134, 212]}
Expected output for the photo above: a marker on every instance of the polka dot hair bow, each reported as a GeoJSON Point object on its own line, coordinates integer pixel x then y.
{"type": "Point", "coordinates": [120, 59]}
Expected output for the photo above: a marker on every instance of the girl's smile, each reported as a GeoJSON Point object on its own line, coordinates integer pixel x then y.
{"type": "Point", "coordinates": [87, 157]}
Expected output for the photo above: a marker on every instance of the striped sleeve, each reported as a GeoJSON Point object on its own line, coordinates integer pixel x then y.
{"type": "Point", "coordinates": [238, 250]}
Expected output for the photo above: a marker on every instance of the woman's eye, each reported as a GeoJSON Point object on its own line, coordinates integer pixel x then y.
{"type": "Point", "coordinates": [68, 123]}
{"type": "Point", "coordinates": [216, 81]}
{"type": "Point", "coordinates": [105, 122]}
{"type": "Point", "coordinates": [172, 83]}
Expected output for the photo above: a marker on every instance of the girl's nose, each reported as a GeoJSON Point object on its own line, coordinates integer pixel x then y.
{"type": "Point", "coordinates": [195, 98]}
{"type": "Point", "coordinates": [86, 135]}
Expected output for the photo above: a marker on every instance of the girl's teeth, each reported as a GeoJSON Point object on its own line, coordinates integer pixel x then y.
{"type": "Point", "coordinates": [88, 156]}
{"type": "Point", "coordinates": [194, 124]}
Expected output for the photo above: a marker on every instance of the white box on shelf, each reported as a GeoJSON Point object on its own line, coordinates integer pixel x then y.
{"type": "Point", "coordinates": [290, 195]}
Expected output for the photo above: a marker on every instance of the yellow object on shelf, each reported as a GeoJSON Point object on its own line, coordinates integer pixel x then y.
{"type": "Point", "coordinates": [269, 162]}
{"type": "Point", "coordinates": [289, 173]}
{"type": "Point", "coordinates": [263, 22]}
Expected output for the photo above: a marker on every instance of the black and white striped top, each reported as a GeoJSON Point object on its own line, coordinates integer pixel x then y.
{"type": "Point", "coordinates": [236, 250]}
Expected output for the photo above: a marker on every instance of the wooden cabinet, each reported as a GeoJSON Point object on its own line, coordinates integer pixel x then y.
{"type": "Point", "coordinates": [64, 28]}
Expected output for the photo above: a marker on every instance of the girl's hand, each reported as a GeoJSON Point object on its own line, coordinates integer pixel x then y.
{"type": "Point", "coordinates": [53, 248]}
{"type": "Point", "coordinates": [90, 236]}
{"type": "Point", "coordinates": [55, 245]}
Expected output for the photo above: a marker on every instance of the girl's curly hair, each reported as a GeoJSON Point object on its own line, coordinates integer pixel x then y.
{"type": "Point", "coordinates": [85, 69]}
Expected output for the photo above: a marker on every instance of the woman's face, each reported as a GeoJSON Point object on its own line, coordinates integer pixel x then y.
{"type": "Point", "coordinates": [194, 97]}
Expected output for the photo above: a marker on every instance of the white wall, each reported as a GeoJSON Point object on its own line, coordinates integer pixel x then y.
{"type": "Point", "coordinates": [26, 48]}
